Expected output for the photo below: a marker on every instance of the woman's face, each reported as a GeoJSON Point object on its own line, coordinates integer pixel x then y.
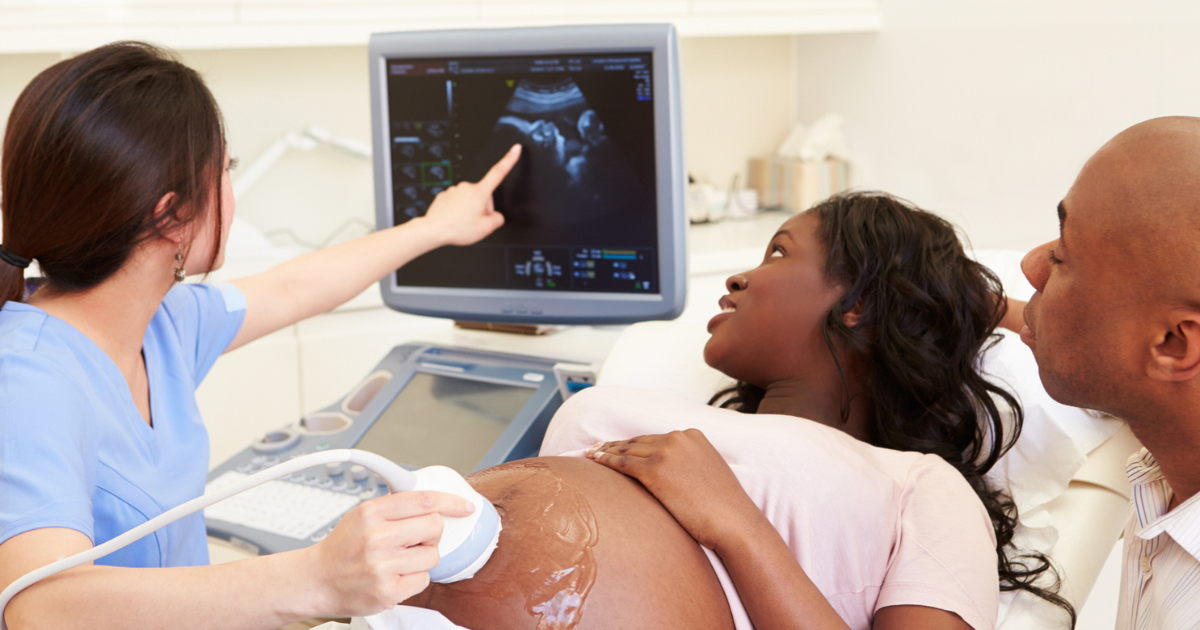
{"type": "Point", "coordinates": [769, 329]}
{"type": "Point", "coordinates": [200, 252]}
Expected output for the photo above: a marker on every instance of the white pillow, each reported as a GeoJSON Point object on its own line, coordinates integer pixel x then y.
{"type": "Point", "coordinates": [664, 356]}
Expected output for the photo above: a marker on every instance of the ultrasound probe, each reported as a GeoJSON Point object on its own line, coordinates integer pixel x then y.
{"type": "Point", "coordinates": [466, 545]}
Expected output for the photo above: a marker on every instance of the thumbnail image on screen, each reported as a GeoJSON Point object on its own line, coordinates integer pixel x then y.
{"type": "Point", "coordinates": [580, 206]}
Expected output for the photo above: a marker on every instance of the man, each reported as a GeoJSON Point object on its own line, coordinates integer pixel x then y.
{"type": "Point", "coordinates": [1115, 326]}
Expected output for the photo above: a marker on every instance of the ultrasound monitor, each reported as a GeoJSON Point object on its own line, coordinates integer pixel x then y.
{"type": "Point", "coordinates": [594, 210]}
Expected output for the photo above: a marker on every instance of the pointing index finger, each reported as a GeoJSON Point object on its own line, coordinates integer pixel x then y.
{"type": "Point", "coordinates": [501, 169]}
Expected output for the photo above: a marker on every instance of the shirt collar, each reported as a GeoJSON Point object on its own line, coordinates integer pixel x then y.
{"type": "Point", "coordinates": [1182, 523]}
{"type": "Point", "coordinates": [1142, 468]}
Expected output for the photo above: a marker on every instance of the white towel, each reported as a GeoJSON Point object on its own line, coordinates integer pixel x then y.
{"type": "Point", "coordinates": [398, 618]}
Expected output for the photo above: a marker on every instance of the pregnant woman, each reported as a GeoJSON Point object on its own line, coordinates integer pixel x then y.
{"type": "Point", "coordinates": [843, 488]}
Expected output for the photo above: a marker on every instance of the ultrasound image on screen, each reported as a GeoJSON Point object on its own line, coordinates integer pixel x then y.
{"type": "Point", "coordinates": [580, 206]}
{"type": "Point", "coordinates": [571, 172]}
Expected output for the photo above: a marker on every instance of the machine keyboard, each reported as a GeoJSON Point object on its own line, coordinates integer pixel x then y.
{"type": "Point", "coordinates": [279, 507]}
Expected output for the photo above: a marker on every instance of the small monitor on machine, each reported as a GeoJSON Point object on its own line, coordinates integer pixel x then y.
{"type": "Point", "coordinates": [414, 426]}
{"type": "Point", "coordinates": [594, 209]}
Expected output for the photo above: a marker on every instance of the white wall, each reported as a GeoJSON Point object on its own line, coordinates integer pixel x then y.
{"type": "Point", "coordinates": [984, 111]}
{"type": "Point", "coordinates": [737, 103]}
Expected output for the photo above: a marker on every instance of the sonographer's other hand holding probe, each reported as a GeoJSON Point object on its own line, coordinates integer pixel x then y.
{"type": "Point", "coordinates": [381, 552]}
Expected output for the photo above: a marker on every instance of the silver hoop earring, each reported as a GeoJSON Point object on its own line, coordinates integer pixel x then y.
{"type": "Point", "coordinates": [180, 274]}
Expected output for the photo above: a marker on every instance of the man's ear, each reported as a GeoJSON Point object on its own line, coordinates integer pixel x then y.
{"type": "Point", "coordinates": [1175, 355]}
{"type": "Point", "coordinates": [851, 317]}
{"type": "Point", "coordinates": [164, 217]}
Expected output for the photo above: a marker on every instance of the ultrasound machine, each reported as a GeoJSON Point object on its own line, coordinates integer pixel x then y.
{"type": "Point", "coordinates": [594, 234]}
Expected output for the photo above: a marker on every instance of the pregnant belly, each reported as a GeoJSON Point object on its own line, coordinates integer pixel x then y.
{"type": "Point", "coordinates": [583, 547]}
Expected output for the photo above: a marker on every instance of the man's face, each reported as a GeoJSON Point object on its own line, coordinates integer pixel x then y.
{"type": "Point", "coordinates": [1078, 323]}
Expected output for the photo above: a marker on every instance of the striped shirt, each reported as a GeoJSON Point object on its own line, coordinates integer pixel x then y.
{"type": "Point", "coordinates": [1160, 576]}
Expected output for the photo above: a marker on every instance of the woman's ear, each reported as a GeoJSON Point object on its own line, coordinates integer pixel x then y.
{"type": "Point", "coordinates": [851, 317]}
{"type": "Point", "coordinates": [164, 217]}
{"type": "Point", "coordinates": [1175, 355]}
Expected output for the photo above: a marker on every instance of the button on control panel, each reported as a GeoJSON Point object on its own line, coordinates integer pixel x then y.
{"type": "Point", "coordinates": [284, 508]}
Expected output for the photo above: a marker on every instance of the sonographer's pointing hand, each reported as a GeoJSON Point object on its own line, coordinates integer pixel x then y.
{"type": "Point", "coordinates": [464, 213]}
{"type": "Point", "coordinates": [380, 553]}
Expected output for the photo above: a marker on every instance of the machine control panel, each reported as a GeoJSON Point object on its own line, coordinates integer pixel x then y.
{"type": "Point", "coordinates": [421, 405]}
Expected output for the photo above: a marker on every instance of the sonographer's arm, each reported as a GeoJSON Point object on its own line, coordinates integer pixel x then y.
{"type": "Point", "coordinates": [319, 281]}
{"type": "Point", "coordinates": [377, 556]}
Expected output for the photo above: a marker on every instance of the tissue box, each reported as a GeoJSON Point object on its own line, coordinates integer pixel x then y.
{"type": "Point", "coordinates": [794, 184]}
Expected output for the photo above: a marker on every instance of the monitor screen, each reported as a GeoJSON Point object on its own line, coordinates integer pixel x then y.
{"type": "Point", "coordinates": [593, 209]}
{"type": "Point", "coordinates": [579, 207]}
{"type": "Point", "coordinates": [444, 420]}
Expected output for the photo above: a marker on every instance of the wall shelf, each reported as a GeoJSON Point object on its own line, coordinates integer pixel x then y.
{"type": "Point", "coordinates": [64, 26]}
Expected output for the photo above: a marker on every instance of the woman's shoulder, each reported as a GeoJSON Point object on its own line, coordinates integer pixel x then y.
{"type": "Point", "coordinates": [34, 343]}
{"type": "Point", "coordinates": [609, 399]}
{"type": "Point", "coordinates": [195, 323]}
{"type": "Point", "coordinates": [48, 418]}
{"type": "Point", "coordinates": [613, 412]}
{"type": "Point", "coordinates": [607, 413]}
{"type": "Point", "coordinates": [21, 326]}
{"type": "Point", "coordinates": [191, 300]}
{"type": "Point", "coordinates": [52, 377]}
{"type": "Point", "coordinates": [932, 482]}
{"type": "Point", "coordinates": [945, 554]}
{"type": "Point", "coordinates": [42, 378]}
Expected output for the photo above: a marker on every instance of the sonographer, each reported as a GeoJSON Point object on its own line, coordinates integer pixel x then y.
{"type": "Point", "coordinates": [115, 180]}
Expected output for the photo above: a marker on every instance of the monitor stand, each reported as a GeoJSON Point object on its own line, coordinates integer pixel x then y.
{"type": "Point", "coordinates": [520, 329]}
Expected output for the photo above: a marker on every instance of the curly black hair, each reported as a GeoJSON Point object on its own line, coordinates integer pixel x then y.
{"type": "Point", "coordinates": [928, 314]}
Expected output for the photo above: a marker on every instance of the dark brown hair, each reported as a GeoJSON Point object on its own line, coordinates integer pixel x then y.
{"type": "Point", "coordinates": [928, 313]}
{"type": "Point", "coordinates": [92, 145]}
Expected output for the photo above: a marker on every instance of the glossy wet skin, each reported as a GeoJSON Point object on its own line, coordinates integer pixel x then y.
{"type": "Point", "coordinates": [582, 547]}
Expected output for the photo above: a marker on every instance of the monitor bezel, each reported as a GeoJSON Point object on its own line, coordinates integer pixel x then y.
{"type": "Point", "coordinates": [541, 307]}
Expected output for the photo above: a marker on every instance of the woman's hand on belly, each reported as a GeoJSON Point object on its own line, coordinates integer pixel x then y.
{"type": "Point", "coordinates": [381, 551]}
{"type": "Point", "coordinates": [689, 477]}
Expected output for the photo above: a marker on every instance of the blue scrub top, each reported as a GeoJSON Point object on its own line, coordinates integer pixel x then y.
{"type": "Point", "coordinates": [75, 453]}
